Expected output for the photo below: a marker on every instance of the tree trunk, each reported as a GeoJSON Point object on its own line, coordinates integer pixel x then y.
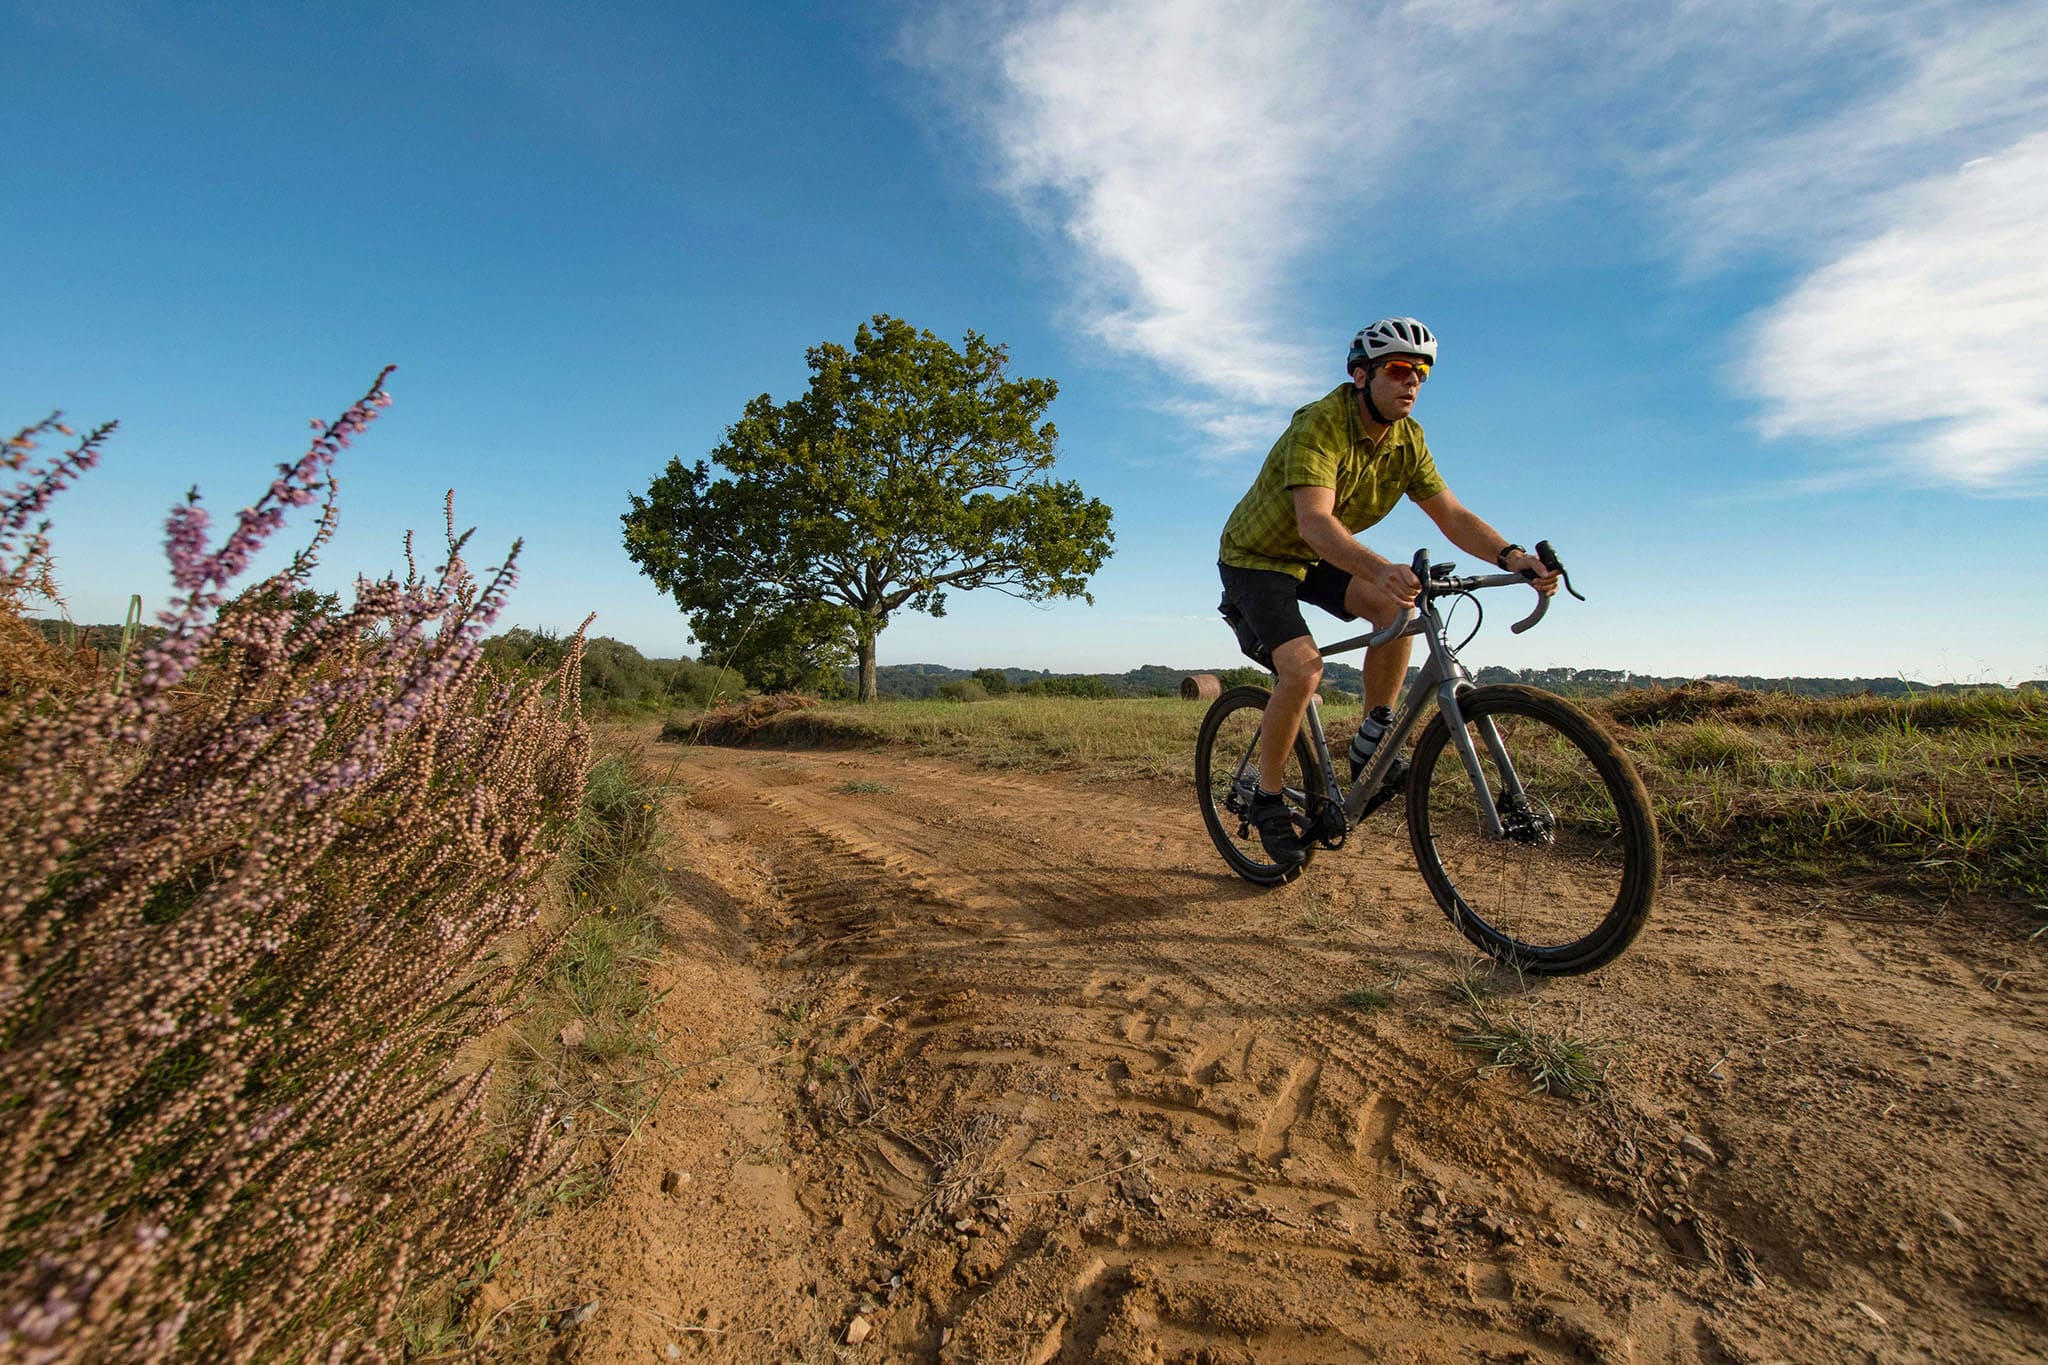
{"type": "Point", "coordinates": [867, 665]}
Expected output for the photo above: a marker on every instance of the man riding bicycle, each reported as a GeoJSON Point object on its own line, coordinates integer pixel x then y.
{"type": "Point", "coordinates": [1340, 467]}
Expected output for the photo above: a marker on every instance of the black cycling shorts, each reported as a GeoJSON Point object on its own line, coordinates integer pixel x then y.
{"type": "Point", "coordinates": [1270, 601]}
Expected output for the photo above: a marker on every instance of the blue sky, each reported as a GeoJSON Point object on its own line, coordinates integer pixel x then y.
{"type": "Point", "coordinates": [1743, 305]}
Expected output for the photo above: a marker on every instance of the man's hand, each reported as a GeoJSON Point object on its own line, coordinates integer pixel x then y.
{"type": "Point", "coordinates": [1527, 563]}
{"type": "Point", "coordinates": [1399, 582]}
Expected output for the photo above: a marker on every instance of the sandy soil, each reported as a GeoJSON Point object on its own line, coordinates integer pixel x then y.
{"type": "Point", "coordinates": [977, 1068]}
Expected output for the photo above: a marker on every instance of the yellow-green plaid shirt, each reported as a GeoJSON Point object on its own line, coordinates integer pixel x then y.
{"type": "Point", "coordinates": [1324, 447]}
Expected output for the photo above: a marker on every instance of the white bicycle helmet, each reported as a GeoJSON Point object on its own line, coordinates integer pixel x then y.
{"type": "Point", "coordinates": [1391, 336]}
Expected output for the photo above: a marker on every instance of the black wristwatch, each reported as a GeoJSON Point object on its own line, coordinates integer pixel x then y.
{"type": "Point", "coordinates": [1508, 549]}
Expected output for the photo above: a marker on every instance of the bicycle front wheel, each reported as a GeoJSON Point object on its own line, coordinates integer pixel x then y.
{"type": "Point", "coordinates": [1227, 776]}
{"type": "Point", "coordinates": [1567, 884]}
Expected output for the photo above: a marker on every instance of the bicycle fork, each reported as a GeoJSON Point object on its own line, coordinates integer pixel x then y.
{"type": "Point", "coordinates": [1512, 798]}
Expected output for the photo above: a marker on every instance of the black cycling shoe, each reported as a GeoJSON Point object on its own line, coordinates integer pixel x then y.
{"type": "Point", "coordinates": [1277, 833]}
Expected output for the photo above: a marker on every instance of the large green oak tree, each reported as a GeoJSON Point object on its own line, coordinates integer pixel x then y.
{"type": "Point", "coordinates": [907, 470]}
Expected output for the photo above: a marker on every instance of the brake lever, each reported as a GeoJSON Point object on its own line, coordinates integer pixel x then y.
{"type": "Point", "coordinates": [1550, 561]}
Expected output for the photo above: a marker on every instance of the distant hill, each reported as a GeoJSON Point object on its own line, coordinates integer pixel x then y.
{"type": "Point", "coordinates": [914, 682]}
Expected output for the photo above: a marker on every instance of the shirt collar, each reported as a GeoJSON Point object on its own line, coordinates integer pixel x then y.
{"type": "Point", "coordinates": [1356, 424]}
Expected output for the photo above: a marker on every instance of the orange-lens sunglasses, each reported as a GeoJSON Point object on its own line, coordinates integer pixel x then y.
{"type": "Point", "coordinates": [1401, 369]}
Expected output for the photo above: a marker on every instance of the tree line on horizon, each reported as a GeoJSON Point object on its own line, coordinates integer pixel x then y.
{"type": "Point", "coordinates": [915, 682]}
{"type": "Point", "coordinates": [617, 674]}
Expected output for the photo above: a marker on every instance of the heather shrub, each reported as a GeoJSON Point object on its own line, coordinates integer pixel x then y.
{"type": "Point", "coordinates": [32, 664]}
{"type": "Point", "coordinates": [255, 906]}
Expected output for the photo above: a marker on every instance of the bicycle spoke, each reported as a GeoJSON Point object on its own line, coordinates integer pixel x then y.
{"type": "Point", "coordinates": [1563, 887]}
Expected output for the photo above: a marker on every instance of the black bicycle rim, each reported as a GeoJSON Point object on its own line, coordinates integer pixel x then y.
{"type": "Point", "coordinates": [1226, 759]}
{"type": "Point", "coordinates": [1571, 886]}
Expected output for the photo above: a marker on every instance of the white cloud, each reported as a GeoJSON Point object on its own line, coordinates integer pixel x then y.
{"type": "Point", "coordinates": [1914, 91]}
{"type": "Point", "coordinates": [1931, 336]}
{"type": "Point", "coordinates": [1199, 156]}
{"type": "Point", "coordinates": [1177, 144]}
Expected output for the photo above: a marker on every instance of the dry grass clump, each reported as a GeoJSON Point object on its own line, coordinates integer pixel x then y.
{"type": "Point", "coordinates": [741, 721]}
{"type": "Point", "coordinates": [1944, 788]}
{"type": "Point", "coordinates": [253, 908]}
{"type": "Point", "coordinates": [29, 664]}
{"type": "Point", "coordinates": [1559, 1063]}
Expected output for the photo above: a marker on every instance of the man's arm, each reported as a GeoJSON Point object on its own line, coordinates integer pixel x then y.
{"type": "Point", "coordinates": [1468, 531]}
{"type": "Point", "coordinates": [1315, 514]}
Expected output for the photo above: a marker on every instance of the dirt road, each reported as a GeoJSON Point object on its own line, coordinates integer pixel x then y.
{"type": "Point", "coordinates": [979, 1067]}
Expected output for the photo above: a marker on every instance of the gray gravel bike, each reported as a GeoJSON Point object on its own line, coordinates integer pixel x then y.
{"type": "Point", "coordinates": [1531, 827]}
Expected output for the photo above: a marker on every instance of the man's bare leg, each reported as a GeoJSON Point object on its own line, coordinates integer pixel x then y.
{"type": "Point", "coordinates": [1385, 669]}
{"type": "Point", "coordinates": [1298, 667]}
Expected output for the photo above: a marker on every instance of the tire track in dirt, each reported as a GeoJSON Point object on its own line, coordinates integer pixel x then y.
{"type": "Point", "coordinates": [1061, 1089]}
{"type": "Point", "coordinates": [1149, 1003]}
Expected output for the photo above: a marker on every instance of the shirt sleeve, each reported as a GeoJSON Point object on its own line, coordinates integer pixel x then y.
{"type": "Point", "coordinates": [1313, 453]}
{"type": "Point", "coordinates": [1424, 482]}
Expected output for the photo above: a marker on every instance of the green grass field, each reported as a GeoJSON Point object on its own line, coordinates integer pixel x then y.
{"type": "Point", "coordinates": [1946, 791]}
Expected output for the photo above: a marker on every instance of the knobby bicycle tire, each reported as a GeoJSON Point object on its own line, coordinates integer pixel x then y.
{"type": "Point", "coordinates": [1226, 756]}
{"type": "Point", "coordinates": [1571, 885]}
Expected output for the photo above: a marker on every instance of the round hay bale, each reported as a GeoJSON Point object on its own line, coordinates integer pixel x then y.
{"type": "Point", "coordinates": [1200, 687]}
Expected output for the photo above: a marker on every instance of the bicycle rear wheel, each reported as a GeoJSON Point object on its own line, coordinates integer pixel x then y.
{"type": "Point", "coordinates": [1227, 775]}
{"type": "Point", "coordinates": [1568, 885]}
